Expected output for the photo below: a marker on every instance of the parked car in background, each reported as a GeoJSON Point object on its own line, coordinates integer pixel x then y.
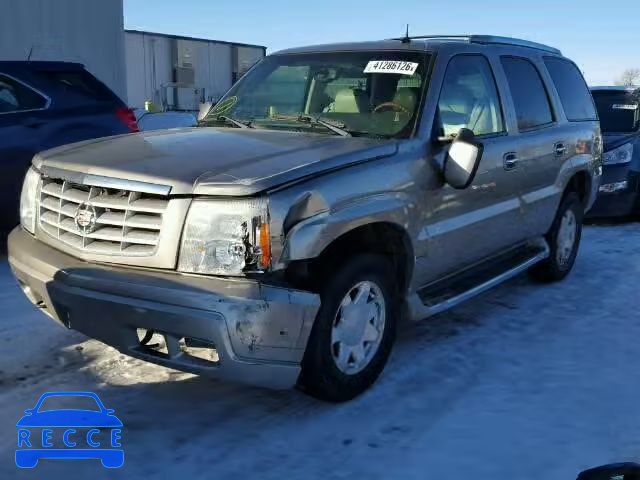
{"type": "Point", "coordinates": [614, 471]}
{"type": "Point", "coordinates": [162, 120]}
{"type": "Point", "coordinates": [334, 190]}
{"type": "Point", "coordinates": [45, 105]}
{"type": "Point", "coordinates": [619, 112]}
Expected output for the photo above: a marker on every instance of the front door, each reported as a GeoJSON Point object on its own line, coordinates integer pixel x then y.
{"type": "Point", "coordinates": [465, 226]}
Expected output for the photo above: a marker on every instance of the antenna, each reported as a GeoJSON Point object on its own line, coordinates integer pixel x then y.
{"type": "Point", "coordinates": [407, 38]}
{"type": "Point", "coordinates": [30, 52]}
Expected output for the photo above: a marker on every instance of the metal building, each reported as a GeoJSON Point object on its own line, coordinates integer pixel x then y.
{"type": "Point", "coordinates": [178, 73]}
{"type": "Point", "coordinates": [171, 71]}
{"type": "Point", "coordinates": [85, 31]}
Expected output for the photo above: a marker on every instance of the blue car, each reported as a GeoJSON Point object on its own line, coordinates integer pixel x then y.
{"type": "Point", "coordinates": [45, 105]}
{"type": "Point", "coordinates": [37, 438]}
{"type": "Point", "coordinates": [619, 112]}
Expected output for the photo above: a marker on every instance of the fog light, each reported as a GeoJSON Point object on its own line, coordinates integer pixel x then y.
{"type": "Point", "coordinates": [199, 349]}
{"type": "Point", "coordinates": [613, 187]}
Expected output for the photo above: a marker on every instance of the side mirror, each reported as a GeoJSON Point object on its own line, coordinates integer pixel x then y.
{"type": "Point", "coordinates": [462, 160]}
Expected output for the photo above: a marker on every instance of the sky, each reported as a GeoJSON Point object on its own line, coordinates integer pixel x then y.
{"type": "Point", "coordinates": [601, 36]}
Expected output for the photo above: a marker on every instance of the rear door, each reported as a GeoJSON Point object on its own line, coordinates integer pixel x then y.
{"type": "Point", "coordinates": [466, 226]}
{"type": "Point", "coordinates": [21, 133]}
{"type": "Point", "coordinates": [546, 141]}
{"type": "Point", "coordinates": [536, 123]}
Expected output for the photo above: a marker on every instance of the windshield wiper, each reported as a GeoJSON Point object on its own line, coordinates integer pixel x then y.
{"type": "Point", "coordinates": [230, 120]}
{"type": "Point", "coordinates": [337, 128]}
{"type": "Point", "coordinates": [237, 123]}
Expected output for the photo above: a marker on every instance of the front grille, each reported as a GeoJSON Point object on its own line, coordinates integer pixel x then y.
{"type": "Point", "coordinates": [105, 221]}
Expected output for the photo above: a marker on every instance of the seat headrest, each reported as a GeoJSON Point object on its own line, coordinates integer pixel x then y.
{"type": "Point", "coordinates": [346, 101]}
{"type": "Point", "coordinates": [458, 98]}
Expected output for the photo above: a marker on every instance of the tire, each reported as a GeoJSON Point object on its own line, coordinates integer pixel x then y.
{"type": "Point", "coordinates": [562, 256]}
{"type": "Point", "coordinates": [340, 362]}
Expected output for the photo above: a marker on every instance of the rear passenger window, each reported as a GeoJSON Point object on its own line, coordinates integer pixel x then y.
{"type": "Point", "coordinates": [572, 89]}
{"type": "Point", "coordinates": [16, 97]}
{"type": "Point", "coordinates": [469, 97]}
{"type": "Point", "coordinates": [529, 95]}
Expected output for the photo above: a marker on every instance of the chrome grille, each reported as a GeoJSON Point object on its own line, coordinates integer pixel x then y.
{"type": "Point", "coordinates": [119, 222]}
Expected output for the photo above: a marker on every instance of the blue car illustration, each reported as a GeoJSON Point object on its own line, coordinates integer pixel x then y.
{"type": "Point", "coordinates": [36, 444]}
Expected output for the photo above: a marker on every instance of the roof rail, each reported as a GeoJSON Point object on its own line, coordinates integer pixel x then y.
{"type": "Point", "coordinates": [487, 40]}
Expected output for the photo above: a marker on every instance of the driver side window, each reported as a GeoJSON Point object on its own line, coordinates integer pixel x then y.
{"type": "Point", "coordinates": [469, 97]}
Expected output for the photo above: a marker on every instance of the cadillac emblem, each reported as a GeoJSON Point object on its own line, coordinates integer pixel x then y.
{"type": "Point", "coordinates": [85, 218]}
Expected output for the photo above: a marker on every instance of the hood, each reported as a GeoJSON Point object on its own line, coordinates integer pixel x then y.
{"type": "Point", "coordinates": [213, 161]}
{"type": "Point", "coordinates": [615, 140]}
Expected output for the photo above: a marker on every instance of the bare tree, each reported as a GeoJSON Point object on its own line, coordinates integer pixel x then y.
{"type": "Point", "coordinates": [629, 77]}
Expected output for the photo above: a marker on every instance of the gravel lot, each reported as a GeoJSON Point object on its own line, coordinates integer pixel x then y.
{"type": "Point", "coordinates": [525, 382]}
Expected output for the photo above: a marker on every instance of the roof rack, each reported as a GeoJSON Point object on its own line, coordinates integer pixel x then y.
{"type": "Point", "coordinates": [485, 39]}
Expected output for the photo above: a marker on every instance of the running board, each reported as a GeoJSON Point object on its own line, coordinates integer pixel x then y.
{"type": "Point", "coordinates": [448, 293]}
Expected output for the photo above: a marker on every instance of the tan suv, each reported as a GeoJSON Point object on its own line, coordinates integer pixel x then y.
{"type": "Point", "coordinates": [332, 191]}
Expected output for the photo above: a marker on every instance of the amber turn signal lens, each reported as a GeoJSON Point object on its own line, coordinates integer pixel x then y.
{"type": "Point", "coordinates": [265, 246]}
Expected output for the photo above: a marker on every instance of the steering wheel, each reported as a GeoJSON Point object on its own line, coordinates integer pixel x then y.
{"type": "Point", "coordinates": [393, 106]}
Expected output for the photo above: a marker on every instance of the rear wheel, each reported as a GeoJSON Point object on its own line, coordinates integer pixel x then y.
{"type": "Point", "coordinates": [354, 330]}
{"type": "Point", "coordinates": [564, 241]}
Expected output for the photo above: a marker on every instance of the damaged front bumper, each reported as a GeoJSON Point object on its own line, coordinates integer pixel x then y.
{"type": "Point", "coordinates": [249, 332]}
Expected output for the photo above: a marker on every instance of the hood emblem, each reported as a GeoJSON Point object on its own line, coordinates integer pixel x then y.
{"type": "Point", "coordinates": [85, 218]}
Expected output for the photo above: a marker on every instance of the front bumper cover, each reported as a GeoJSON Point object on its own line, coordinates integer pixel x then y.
{"type": "Point", "coordinates": [621, 202]}
{"type": "Point", "coordinates": [259, 331]}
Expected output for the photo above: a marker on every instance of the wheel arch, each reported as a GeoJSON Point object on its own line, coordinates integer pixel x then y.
{"type": "Point", "coordinates": [580, 183]}
{"type": "Point", "coordinates": [380, 237]}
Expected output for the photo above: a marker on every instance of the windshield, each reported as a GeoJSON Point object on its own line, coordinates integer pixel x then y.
{"type": "Point", "coordinates": [374, 94]}
{"type": "Point", "coordinates": [619, 111]}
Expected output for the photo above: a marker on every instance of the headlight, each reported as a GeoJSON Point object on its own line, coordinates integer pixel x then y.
{"type": "Point", "coordinates": [619, 155]}
{"type": "Point", "coordinates": [226, 237]}
{"type": "Point", "coordinates": [28, 200]}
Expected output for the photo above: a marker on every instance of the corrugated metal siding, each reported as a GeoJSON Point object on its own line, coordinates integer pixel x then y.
{"type": "Point", "coordinates": [220, 60]}
{"type": "Point", "coordinates": [213, 64]}
{"type": "Point", "coordinates": [247, 57]}
{"type": "Point", "coordinates": [86, 31]}
{"type": "Point", "coordinates": [149, 67]}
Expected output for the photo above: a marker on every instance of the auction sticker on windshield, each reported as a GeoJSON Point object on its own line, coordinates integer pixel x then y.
{"type": "Point", "coordinates": [391, 66]}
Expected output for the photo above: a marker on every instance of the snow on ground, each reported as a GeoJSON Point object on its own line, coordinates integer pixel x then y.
{"type": "Point", "coordinates": [525, 382]}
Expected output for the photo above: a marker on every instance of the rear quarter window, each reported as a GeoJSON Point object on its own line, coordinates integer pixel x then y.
{"type": "Point", "coordinates": [572, 89]}
{"type": "Point", "coordinates": [16, 97]}
{"type": "Point", "coordinates": [78, 83]}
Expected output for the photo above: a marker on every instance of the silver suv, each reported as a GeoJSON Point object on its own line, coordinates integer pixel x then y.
{"type": "Point", "coordinates": [333, 191]}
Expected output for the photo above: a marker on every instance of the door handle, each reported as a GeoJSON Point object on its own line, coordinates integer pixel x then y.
{"type": "Point", "coordinates": [510, 161]}
{"type": "Point", "coordinates": [560, 149]}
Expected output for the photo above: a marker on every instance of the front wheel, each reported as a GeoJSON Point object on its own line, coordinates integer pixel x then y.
{"type": "Point", "coordinates": [563, 239]}
{"type": "Point", "coordinates": [354, 330]}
